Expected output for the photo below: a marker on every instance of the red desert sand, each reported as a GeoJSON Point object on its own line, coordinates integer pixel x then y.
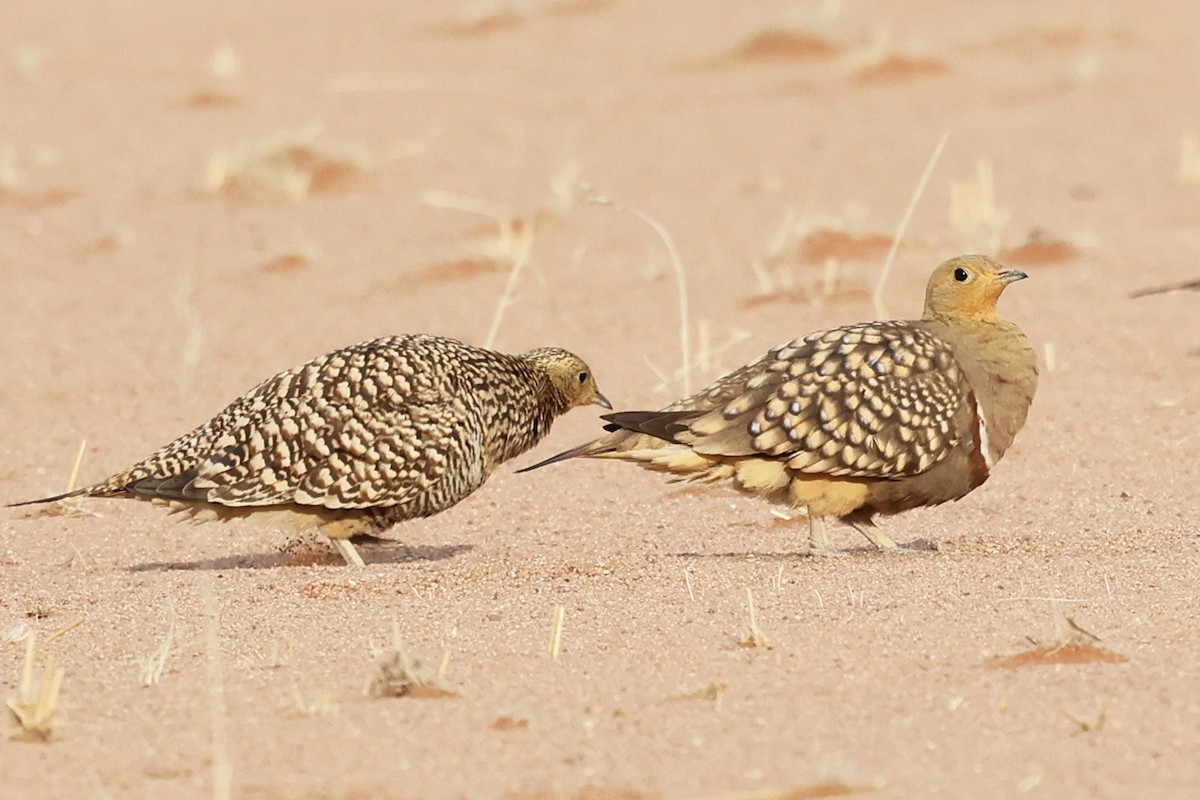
{"type": "Point", "coordinates": [195, 197]}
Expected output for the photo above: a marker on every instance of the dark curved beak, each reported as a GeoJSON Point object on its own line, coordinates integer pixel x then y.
{"type": "Point", "coordinates": [602, 401]}
{"type": "Point", "coordinates": [1011, 275]}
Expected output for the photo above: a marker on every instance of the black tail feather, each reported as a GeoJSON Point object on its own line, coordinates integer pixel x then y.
{"type": "Point", "coordinates": [666, 425]}
{"type": "Point", "coordinates": [51, 499]}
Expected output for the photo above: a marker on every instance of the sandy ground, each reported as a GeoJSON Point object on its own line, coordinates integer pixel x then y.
{"type": "Point", "coordinates": [195, 196]}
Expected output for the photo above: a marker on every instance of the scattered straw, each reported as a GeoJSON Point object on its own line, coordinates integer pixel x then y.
{"type": "Point", "coordinates": [193, 331]}
{"type": "Point", "coordinates": [1167, 289]}
{"type": "Point", "coordinates": [1048, 357]}
{"type": "Point", "coordinates": [152, 668]}
{"type": "Point", "coordinates": [522, 256]}
{"type": "Point", "coordinates": [65, 629]}
{"type": "Point", "coordinates": [1085, 725]}
{"type": "Point", "coordinates": [283, 173]}
{"type": "Point", "coordinates": [1072, 644]}
{"type": "Point", "coordinates": [222, 767]}
{"type": "Point", "coordinates": [321, 705]}
{"type": "Point", "coordinates": [754, 637]}
{"type": "Point", "coordinates": [34, 710]}
{"type": "Point", "coordinates": [784, 45]}
{"type": "Point", "coordinates": [68, 506]}
{"type": "Point", "coordinates": [711, 693]}
{"type": "Point", "coordinates": [556, 632]}
{"type": "Point", "coordinates": [397, 673]}
{"type": "Point", "coordinates": [881, 283]}
{"type": "Point", "coordinates": [1189, 159]}
{"type": "Point", "coordinates": [78, 461]}
{"type": "Point", "coordinates": [680, 275]}
{"type": "Point", "coordinates": [484, 16]}
{"type": "Point", "coordinates": [224, 64]}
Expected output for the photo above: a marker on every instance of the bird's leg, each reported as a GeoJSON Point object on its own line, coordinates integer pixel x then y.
{"type": "Point", "coordinates": [346, 548]}
{"type": "Point", "coordinates": [339, 532]}
{"type": "Point", "coordinates": [818, 537]}
{"type": "Point", "coordinates": [867, 527]}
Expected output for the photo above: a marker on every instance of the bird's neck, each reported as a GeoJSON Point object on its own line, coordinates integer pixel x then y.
{"type": "Point", "coordinates": [998, 360]}
{"type": "Point", "coordinates": [509, 441]}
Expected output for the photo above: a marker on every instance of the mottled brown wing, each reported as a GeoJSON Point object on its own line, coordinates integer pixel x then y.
{"type": "Point", "coordinates": [877, 400]}
{"type": "Point", "coordinates": [417, 456]}
{"type": "Point", "coordinates": [354, 429]}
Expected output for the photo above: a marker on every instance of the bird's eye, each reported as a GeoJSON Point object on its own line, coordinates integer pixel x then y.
{"type": "Point", "coordinates": [961, 275]}
{"type": "Point", "coordinates": [583, 376]}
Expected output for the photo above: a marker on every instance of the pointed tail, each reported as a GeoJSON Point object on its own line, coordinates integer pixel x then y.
{"type": "Point", "coordinates": [52, 498]}
{"type": "Point", "coordinates": [581, 450]}
{"type": "Point", "coordinates": [626, 429]}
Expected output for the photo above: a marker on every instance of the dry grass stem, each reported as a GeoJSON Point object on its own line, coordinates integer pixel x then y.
{"type": "Point", "coordinates": [485, 16]}
{"type": "Point", "coordinates": [1189, 159]}
{"type": "Point", "coordinates": [393, 674]}
{"type": "Point", "coordinates": [280, 654]}
{"type": "Point", "coordinates": [283, 173]}
{"type": "Point", "coordinates": [222, 766]}
{"type": "Point", "coordinates": [65, 629]}
{"type": "Point", "coordinates": [68, 506]}
{"type": "Point", "coordinates": [1085, 725]}
{"type": "Point", "coordinates": [680, 275]}
{"type": "Point", "coordinates": [687, 581]}
{"type": "Point", "coordinates": [193, 331]}
{"type": "Point", "coordinates": [830, 278]}
{"type": "Point", "coordinates": [34, 710]}
{"type": "Point", "coordinates": [457, 202]}
{"type": "Point", "coordinates": [396, 673]}
{"type": "Point", "coordinates": [795, 45]}
{"type": "Point", "coordinates": [754, 637]}
{"type": "Point", "coordinates": [1068, 633]}
{"type": "Point", "coordinates": [712, 693]}
{"type": "Point", "coordinates": [1048, 357]}
{"type": "Point", "coordinates": [152, 668]}
{"type": "Point", "coordinates": [322, 705]}
{"type": "Point", "coordinates": [18, 632]}
{"type": "Point", "coordinates": [75, 468]}
{"type": "Point", "coordinates": [525, 244]}
{"type": "Point", "coordinates": [707, 356]}
{"type": "Point", "coordinates": [27, 61]}
{"type": "Point", "coordinates": [224, 64]}
{"type": "Point", "coordinates": [1193, 284]}
{"type": "Point", "coordinates": [973, 210]}
{"type": "Point", "coordinates": [1072, 644]}
{"type": "Point", "coordinates": [556, 632]}
{"type": "Point", "coordinates": [881, 283]}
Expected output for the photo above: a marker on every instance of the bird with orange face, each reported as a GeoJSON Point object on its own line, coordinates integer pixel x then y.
{"type": "Point", "coordinates": [858, 421]}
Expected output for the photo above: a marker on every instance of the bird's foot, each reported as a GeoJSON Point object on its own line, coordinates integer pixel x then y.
{"type": "Point", "coordinates": [898, 548]}
{"type": "Point", "coordinates": [825, 551]}
{"type": "Point", "coordinates": [883, 543]}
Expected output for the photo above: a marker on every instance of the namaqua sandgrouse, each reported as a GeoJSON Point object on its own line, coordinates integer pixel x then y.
{"type": "Point", "coordinates": [852, 422]}
{"type": "Point", "coordinates": [364, 437]}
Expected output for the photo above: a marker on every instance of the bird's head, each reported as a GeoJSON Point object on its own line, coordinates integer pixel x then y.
{"type": "Point", "coordinates": [570, 377]}
{"type": "Point", "coordinates": [967, 286]}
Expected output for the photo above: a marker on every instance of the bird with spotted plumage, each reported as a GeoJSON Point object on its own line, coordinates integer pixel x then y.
{"type": "Point", "coordinates": [858, 421]}
{"type": "Point", "coordinates": [364, 437]}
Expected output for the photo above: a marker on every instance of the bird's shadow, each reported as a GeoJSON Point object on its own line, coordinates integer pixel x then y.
{"type": "Point", "coordinates": [917, 546]}
{"type": "Point", "coordinates": [379, 551]}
